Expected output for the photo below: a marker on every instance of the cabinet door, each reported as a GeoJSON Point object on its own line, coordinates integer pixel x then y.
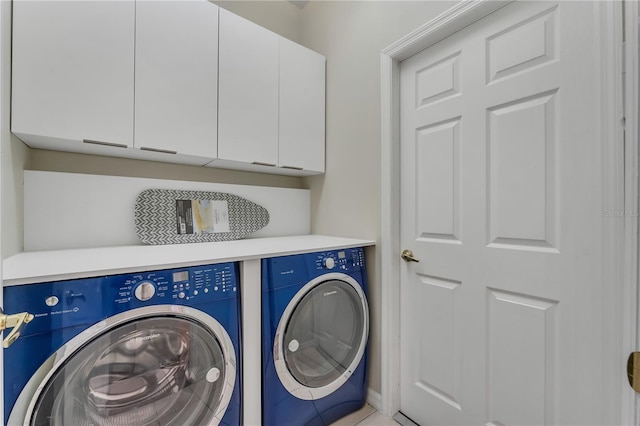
{"type": "Point", "coordinates": [248, 92]}
{"type": "Point", "coordinates": [73, 71]}
{"type": "Point", "coordinates": [176, 82]}
{"type": "Point", "coordinates": [302, 110]}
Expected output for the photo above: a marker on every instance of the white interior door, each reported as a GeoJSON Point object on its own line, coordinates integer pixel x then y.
{"type": "Point", "coordinates": [504, 319]}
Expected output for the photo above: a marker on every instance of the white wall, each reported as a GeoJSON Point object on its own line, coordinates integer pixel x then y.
{"type": "Point", "coordinates": [346, 200]}
{"type": "Point", "coordinates": [49, 195]}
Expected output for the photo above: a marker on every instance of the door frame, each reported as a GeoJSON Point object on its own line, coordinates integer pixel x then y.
{"type": "Point", "coordinates": [620, 182]}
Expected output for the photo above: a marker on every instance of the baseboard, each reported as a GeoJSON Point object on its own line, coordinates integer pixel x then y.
{"type": "Point", "coordinates": [374, 399]}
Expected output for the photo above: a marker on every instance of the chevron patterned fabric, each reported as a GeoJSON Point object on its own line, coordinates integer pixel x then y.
{"type": "Point", "coordinates": [156, 218]}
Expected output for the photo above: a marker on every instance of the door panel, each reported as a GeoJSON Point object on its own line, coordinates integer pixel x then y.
{"type": "Point", "coordinates": [247, 91]}
{"type": "Point", "coordinates": [438, 181]}
{"type": "Point", "coordinates": [520, 359]}
{"type": "Point", "coordinates": [501, 201]}
{"type": "Point", "coordinates": [176, 84]}
{"type": "Point", "coordinates": [521, 178]}
{"type": "Point", "coordinates": [437, 343]}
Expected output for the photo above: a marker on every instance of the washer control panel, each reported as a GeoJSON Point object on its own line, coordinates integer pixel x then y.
{"type": "Point", "coordinates": [63, 304]}
{"type": "Point", "coordinates": [177, 286]}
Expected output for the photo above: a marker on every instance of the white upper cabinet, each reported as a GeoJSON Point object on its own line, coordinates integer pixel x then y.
{"type": "Point", "coordinates": [271, 101]}
{"type": "Point", "coordinates": [73, 72]}
{"type": "Point", "coordinates": [179, 81]}
{"type": "Point", "coordinates": [176, 83]}
{"type": "Point", "coordinates": [248, 92]}
{"type": "Point", "coordinates": [302, 108]}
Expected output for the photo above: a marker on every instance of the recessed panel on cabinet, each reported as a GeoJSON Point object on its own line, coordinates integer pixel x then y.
{"type": "Point", "coordinates": [176, 82]}
{"type": "Point", "coordinates": [248, 92]}
{"type": "Point", "coordinates": [73, 71]}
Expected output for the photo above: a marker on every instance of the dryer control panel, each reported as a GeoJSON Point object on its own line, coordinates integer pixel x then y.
{"type": "Point", "coordinates": [298, 269]}
{"type": "Point", "coordinates": [340, 260]}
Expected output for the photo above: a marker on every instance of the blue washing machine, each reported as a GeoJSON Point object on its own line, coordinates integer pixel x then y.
{"type": "Point", "coordinates": [315, 325]}
{"type": "Point", "coordinates": [152, 348]}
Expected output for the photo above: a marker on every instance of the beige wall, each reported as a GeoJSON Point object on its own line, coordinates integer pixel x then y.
{"type": "Point", "coordinates": [278, 16]}
{"type": "Point", "coordinates": [346, 200]}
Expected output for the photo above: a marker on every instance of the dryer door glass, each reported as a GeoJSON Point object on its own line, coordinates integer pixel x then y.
{"type": "Point", "coordinates": [158, 370]}
{"type": "Point", "coordinates": [324, 334]}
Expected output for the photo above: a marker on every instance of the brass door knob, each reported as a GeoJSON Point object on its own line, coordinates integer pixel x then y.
{"type": "Point", "coordinates": [408, 256]}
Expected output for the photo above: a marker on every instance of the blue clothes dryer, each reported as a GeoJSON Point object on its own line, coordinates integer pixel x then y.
{"type": "Point", "coordinates": [151, 348]}
{"type": "Point", "coordinates": [315, 325]}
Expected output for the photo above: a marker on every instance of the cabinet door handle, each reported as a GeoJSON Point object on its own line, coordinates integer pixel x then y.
{"type": "Point", "coordinates": [291, 167]}
{"type": "Point", "coordinates": [164, 151]}
{"type": "Point", "coordinates": [93, 142]}
{"type": "Point", "coordinates": [260, 163]}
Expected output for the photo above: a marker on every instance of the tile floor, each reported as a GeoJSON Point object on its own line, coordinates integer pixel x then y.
{"type": "Point", "coordinates": [366, 416]}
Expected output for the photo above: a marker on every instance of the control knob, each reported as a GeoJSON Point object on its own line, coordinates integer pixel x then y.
{"type": "Point", "coordinates": [329, 263]}
{"type": "Point", "coordinates": [145, 291]}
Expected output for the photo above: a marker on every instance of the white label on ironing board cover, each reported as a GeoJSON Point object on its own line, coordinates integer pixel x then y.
{"type": "Point", "coordinates": [202, 216]}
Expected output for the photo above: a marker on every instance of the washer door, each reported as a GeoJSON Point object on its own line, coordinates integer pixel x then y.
{"type": "Point", "coordinates": [160, 365]}
{"type": "Point", "coordinates": [322, 336]}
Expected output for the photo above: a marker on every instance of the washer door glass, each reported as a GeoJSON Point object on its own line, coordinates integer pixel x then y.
{"type": "Point", "coordinates": [324, 335]}
{"type": "Point", "coordinates": [158, 370]}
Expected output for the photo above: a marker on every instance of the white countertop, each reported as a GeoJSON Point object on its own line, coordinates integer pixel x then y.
{"type": "Point", "coordinates": [56, 265]}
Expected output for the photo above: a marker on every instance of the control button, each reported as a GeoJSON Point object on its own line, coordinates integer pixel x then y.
{"type": "Point", "coordinates": [195, 292]}
{"type": "Point", "coordinates": [215, 288]}
{"type": "Point", "coordinates": [206, 290]}
{"type": "Point", "coordinates": [181, 295]}
{"type": "Point", "coordinates": [51, 301]}
{"type": "Point", "coordinates": [145, 291]}
{"type": "Point", "coordinates": [329, 263]}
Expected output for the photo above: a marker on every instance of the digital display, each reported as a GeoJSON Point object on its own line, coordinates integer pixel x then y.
{"type": "Point", "coordinates": [341, 255]}
{"type": "Point", "coordinates": [180, 276]}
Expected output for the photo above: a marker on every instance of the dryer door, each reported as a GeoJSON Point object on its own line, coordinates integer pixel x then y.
{"type": "Point", "coordinates": [322, 336]}
{"type": "Point", "coordinates": [160, 365]}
